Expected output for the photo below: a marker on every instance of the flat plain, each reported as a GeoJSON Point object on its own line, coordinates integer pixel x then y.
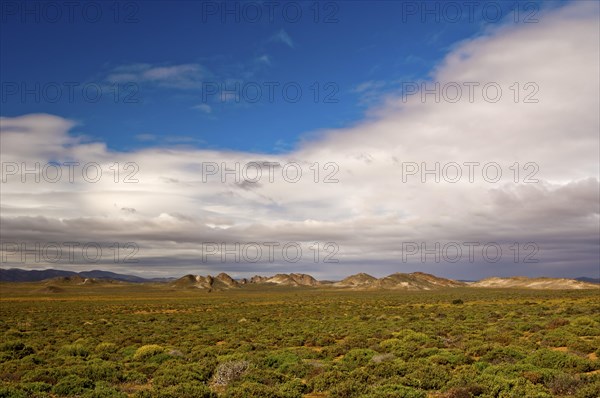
{"type": "Point", "coordinates": [153, 340]}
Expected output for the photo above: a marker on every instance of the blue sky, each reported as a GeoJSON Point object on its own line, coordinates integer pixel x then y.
{"type": "Point", "coordinates": [356, 52]}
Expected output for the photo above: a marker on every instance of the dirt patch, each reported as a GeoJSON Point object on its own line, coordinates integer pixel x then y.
{"type": "Point", "coordinates": [132, 388]}
{"type": "Point", "coordinates": [560, 349]}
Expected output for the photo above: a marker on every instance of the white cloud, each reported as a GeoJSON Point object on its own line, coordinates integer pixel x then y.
{"type": "Point", "coordinates": [146, 137]}
{"type": "Point", "coordinates": [183, 76]}
{"type": "Point", "coordinates": [371, 211]}
{"type": "Point", "coordinates": [264, 59]}
{"type": "Point", "coordinates": [203, 107]}
{"type": "Point", "coordinates": [282, 37]}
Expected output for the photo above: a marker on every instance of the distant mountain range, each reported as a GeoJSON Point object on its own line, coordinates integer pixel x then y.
{"type": "Point", "coordinates": [588, 280]}
{"type": "Point", "coordinates": [361, 281]}
{"type": "Point", "coordinates": [20, 275]}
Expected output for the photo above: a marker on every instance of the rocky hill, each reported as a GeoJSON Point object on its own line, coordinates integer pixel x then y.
{"type": "Point", "coordinates": [398, 281]}
{"type": "Point", "coordinates": [283, 280]}
{"type": "Point", "coordinates": [533, 283]}
{"type": "Point", "coordinates": [360, 280]}
{"type": "Point", "coordinates": [287, 280]}
{"type": "Point", "coordinates": [224, 281]}
{"type": "Point", "coordinates": [219, 282]}
{"type": "Point", "coordinates": [415, 281]}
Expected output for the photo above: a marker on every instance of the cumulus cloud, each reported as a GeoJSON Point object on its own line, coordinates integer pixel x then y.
{"type": "Point", "coordinates": [379, 202]}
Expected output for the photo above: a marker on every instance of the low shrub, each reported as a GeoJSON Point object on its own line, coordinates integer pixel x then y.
{"type": "Point", "coordinates": [148, 351]}
{"type": "Point", "coordinates": [357, 357]}
{"type": "Point", "coordinates": [252, 390]}
{"type": "Point", "coordinates": [73, 385]}
{"type": "Point", "coordinates": [75, 350]}
{"type": "Point", "coordinates": [185, 390]}
{"type": "Point", "coordinates": [545, 358]}
{"type": "Point", "coordinates": [15, 350]}
{"type": "Point", "coordinates": [104, 390]}
{"type": "Point", "coordinates": [324, 381]}
{"type": "Point", "coordinates": [105, 350]}
{"type": "Point", "coordinates": [348, 388]}
{"type": "Point", "coordinates": [394, 391]}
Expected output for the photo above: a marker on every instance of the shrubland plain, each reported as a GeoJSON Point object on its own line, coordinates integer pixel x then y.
{"type": "Point", "coordinates": [158, 340]}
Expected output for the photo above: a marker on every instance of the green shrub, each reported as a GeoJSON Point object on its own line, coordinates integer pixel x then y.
{"type": "Point", "coordinates": [185, 390]}
{"type": "Point", "coordinates": [501, 355]}
{"type": "Point", "coordinates": [585, 326]}
{"type": "Point", "coordinates": [98, 369]}
{"type": "Point", "coordinates": [75, 350]}
{"type": "Point", "coordinates": [407, 343]}
{"type": "Point", "coordinates": [128, 352]}
{"type": "Point", "coordinates": [347, 388]}
{"type": "Point", "coordinates": [591, 390]}
{"type": "Point", "coordinates": [45, 375]}
{"type": "Point", "coordinates": [394, 391]}
{"type": "Point", "coordinates": [172, 374]}
{"type": "Point", "coordinates": [286, 362]}
{"type": "Point", "coordinates": [15, 350]}
{"type": "Point", "coordinates": [326, 380]}
{"type": "Point", "coordinates": [387, 369]}
{"type": "Point", "coordinates": [293, 389]}
{"type": "Point", "coordinates": [135, 377]}
{"type": "Point", "coordinates": [104, 390]}
{"type": "Point", "coordinates": [448, 357]}
{"type": "Point", "coordinates": [252, 390]}
{"type": "Point", "coordinates": [539, 376]}
{"type": "Point", "coordinates": [72, 385]}
{"type": "Point", "coordinates": [357, 357]}
{"type": "Point", "coordinates": [268, 377]}
{"type": "Point", "coordinates": [160, 358]}
{"type": "Point", "coordinates": [473, 390]}
{"type": "Point", "coordinates": [11, 392]}
{"type": "Point", "coordinates": [104, 350]}
{"type": "Point", "coordinates": [427, 376]}
{"type": "Point", "coordinates": [148, 351]}
{"type": "Point", "coordinates": [544, 358]}
{"type": "Point", "coordinates": [35, 388]}
{"type": "Point", "coordinates": [500, 386]}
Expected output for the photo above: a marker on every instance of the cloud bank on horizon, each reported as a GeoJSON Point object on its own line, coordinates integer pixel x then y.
{"type": "Point", "coordinates": [529, 160]}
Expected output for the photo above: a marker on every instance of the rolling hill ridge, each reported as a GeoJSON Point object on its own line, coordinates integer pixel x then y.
{"type": "Point", "coordinates": [360, 281]}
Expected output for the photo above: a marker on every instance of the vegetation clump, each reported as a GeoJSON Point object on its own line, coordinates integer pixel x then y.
{"type": "Point", "coordinates": [230, 371]}
{"type": "Point", "coordinates": [148, 351]}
